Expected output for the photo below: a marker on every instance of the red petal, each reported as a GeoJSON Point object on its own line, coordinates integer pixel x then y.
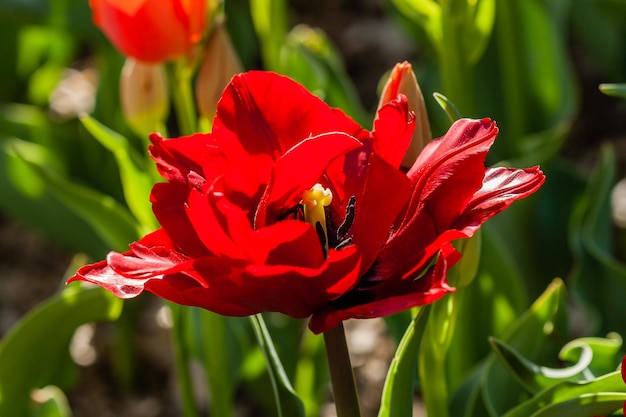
{"type": "Point", "coordinates": [195, 286]}
{"type": "Point", "coordinates": [385, 300]}
{"type": "Point", "coordinates": [143, 262]}
{"type": "Point", "coordinates": [393, 130]}
{"type": "Point", "coordinates": [289, 242]}
{"type": "Point", "coordinates": [501, 187]}
{"type": "Point", "coordinates": [623, 368]}
{"type": "Point", "coordinates": [448, 172]}
{"type": "Point", "coordinates": [298, 292]}
{"type": "Point", "coordinates": [168, 204]}
{"type": "Point", "coordinates": [236, 288]}
{"type": "Point", "coordinates": [213, 225]}
{"type": "Point", "coordinates": [125, 274]}
{"type": "Point", "coordinates": [298, 170]}
{"type": "Point", "coordinates": [176, 158]}
{"type": "Point", "coordinates": [265, 114]}
{"type": "Point", "coordinates": [385, 191]}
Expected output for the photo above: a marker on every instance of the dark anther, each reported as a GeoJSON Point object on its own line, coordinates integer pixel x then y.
{"type": "Point", "coordinates": [344, 228]}
{"type": "Point", "coordinates": [344, 243]}
{"type": "Point", "coordinates": [321, 234]}
{"type": "Point", "coordinates": [296, 212]}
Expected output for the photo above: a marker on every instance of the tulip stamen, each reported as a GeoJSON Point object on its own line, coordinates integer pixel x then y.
{"type": "Point", "coordinates": [314, 201]}
{"type": "Point", "coordinates": [344, 227]}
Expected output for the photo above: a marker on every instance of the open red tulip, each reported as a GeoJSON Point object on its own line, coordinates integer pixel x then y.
{"type": "Point", "coordinates": [151, 30]}
{"type": "Point", "coordinates": [290, 206]}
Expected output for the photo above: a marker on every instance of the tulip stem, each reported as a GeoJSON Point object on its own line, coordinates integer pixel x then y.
{"type": "Point", "coordinates": [341, 375]}
{"type": "Point", "coordinates": [180, 83]}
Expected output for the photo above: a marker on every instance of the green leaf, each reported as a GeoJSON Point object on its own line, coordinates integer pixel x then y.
{"type": "Point", "coordinates": [597, 277]}
{"type": "Point", "coordinates": [586, 405]}
{"type": "Point", "coordinates": [426, 14]}
{"type": "Point", "coordinates": [105, 215]}
{"type": "Point", "coordinates": [481, 18]}
{"type": "Point", "coordinates": [615, 90]}
{"type": "Point", "coordinates": [287, 402]}
{"type": "Point", "coordinates": [44, 52]}
{"type": "Point", "coordinates": [525, 80]}
{"type": "Point", "coordinates": [50, 401]}
{"type": "Point", "coordinates": [531, 334]}
{"type": "Point", "coordinates": [57, 222]}
{"type": "Point", "coordinates": [218, 343]}
{"type": "Point", "coordinates": [397, 397]}
{"type": "Point", "coordinates": [487, 307]}
{"type": "Point", "coordinates": [310, 58]}
{"type": "Point", "coordinates": [602, 396]}
{"type": "Point", "coordinates": [603, 44]}
{"type": "Point", "coordinates": [270, 21]}
{"type": "Point", "coordinates": [534, 377]}
{"type": "Point", "coordinates": [136, 174]}
{"type": "Point", "coordinates": [30, 352]}
{"type": "Point", "coordinates": [451, 111]}
{"type": "Point", "coordinates": [606, 352]}
{"type": "Point", "coordinates": [434, 352]}
{"type": "Point", "coordinates": [311, 374]}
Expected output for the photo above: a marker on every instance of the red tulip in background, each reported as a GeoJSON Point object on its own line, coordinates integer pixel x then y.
{"type": "Point", "coordinates": [623, 370]}
{"type": "Point", "coordinates": [290, 206]}
{"type": "Point", "coordinates": [151, 30]}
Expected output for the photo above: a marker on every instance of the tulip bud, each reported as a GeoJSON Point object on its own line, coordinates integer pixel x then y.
{"type": "Point", "coordinates": [151, 30]}
{"type": "Point", "coordinates": [402, 81]}
{"type": "Point", "coordinates": [219, 64]}
{"type": "Point", "coordinates": [144, 96]}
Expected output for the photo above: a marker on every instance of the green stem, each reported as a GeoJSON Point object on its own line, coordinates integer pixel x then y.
{"type": "Point", "coordinates": [433, 352]}
{"type": "Point", "coordinates": [341, 375]}
{"type": "Point", "coordinates": [456, 72]}
{"type": "Point", "coordinates": [180, 76]}
{"type": "Point", "coordinates": [181, 358]}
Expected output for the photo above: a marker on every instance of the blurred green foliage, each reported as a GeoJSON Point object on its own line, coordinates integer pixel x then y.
{"type": "Point", "coordinates": [84, 182]}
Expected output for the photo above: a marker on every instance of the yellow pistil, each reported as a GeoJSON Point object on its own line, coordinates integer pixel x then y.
{"type": "Point", "coordinates": [314, 201]}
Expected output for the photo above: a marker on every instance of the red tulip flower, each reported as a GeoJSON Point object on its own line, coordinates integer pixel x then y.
{"type": "Point", "coordinates": [623, 370]}
{"type": "Point", "coordinates": [151, 30]}
{"type": "Point", "coordinates": [290, 206]}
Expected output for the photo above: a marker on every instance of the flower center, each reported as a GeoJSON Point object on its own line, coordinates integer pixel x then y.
{"type": "Point", "coordinates": [314, 201]}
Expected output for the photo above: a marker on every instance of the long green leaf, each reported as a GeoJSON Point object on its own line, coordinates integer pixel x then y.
{"type": "Point", "coordinates": [598, 277]}
{"type": "Point", "coordinates": [136, 178]}
{"type": "Point", "coordinates": [488, 306]}
{"type": "Point", "coordinates": [310, 58]}
{"type": "Point", "coordinates": [601, 396]}
{"type": "Point", "coordinates": [105, 215]}
{"type": "Point", "coordinates": [534, 377]}
{"type": "Point", "coordinates": [586, 405]}
{"type": "Point", "coordinates": [397, 397]}
{"type": "Point", "coordinates": [543, 322]}
{"type": "Point", "coordinates": [270, 22]}
{"type": "Point", "coordinates": [287, 402]}
{"type": "Point", "coordinates": [481, 18]}
{"type": "Point", "coordinates": [536, 85]}
{"type": "Point", "coordinates": [615, 90]}
{"type": "Point", "coordinates": [30, 352]}
{"type": "Point", "coordinates": [213, 340]}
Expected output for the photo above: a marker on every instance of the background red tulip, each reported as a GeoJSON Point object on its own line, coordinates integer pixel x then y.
{"type": "Point", "coordinates": [151, 30]}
